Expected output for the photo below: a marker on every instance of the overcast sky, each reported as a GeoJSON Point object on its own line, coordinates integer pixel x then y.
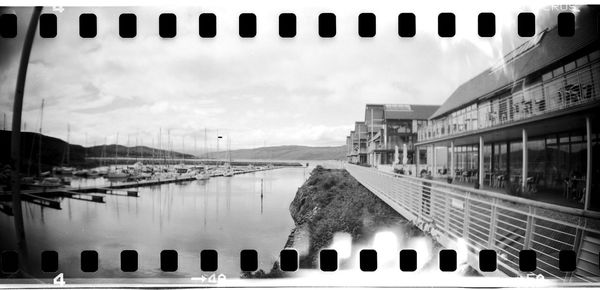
{"type": "Point", "coordinates": [267, 90]}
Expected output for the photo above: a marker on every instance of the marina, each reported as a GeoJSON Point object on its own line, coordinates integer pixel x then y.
{"type": "Point", "coordinates": [43, 196]}
{"type": "Point", "coordinates": [187, 215]}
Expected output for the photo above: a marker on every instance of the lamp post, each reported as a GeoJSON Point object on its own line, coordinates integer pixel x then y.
{"type": "Point", "coordinates": [218, 137]}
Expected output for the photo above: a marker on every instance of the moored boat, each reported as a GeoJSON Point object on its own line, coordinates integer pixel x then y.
{"type": "Point", "coordinates": [81, 173]}
{"type": "Point", "coordinates": [229, 172]}
{"type": "Point", "coordinates": [202, 176]}
{"type": "Point", "coordinates": [48, 182]}
{"type": "Point", "coordinates": [118, 174]}
{"type": "Point", "coordinates": [63, 170]}
{"type": "Point", "coordinates": [93, 173]}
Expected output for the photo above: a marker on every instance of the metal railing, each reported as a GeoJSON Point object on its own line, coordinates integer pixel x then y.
{"type": "Point", "coordinates": [488, 220]}
{"type": "Point", "coordinates": [572, 89]}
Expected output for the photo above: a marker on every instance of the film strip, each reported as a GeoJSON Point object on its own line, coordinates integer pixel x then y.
{"type": "Point", "coordinates": [328, 261]}
{"type": "Point", "coordinates": [207, 25]}
{"type": "Point", "coordinates": [482, 165]}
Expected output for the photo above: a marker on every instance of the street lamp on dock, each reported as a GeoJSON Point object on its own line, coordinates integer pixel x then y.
{"type": "Point", "coordinates": [218, 137]}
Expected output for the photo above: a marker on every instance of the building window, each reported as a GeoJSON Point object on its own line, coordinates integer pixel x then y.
{"type": "Point", "coordinates": [422, 156]}
{"type": "Point", "coordinates": [570, 66]}
{"type": "Point", "coordinates": [582, 61]}
{"type": "Point", "coordinates": [547, 76]}
{"type": "Point", "coordinates": [487, 158]}
{"type": "Point", "coordinates": [558, 71]}
{"type": "Point", "coordinates": [516, 161]}
{"type": "Point", "coordinates": [536, 155]}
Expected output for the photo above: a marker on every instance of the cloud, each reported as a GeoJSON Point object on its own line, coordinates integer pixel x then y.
{"type": "Point", "coordinates": [305, 90]}
{"type": "Point", "coordinates": [112, 103]}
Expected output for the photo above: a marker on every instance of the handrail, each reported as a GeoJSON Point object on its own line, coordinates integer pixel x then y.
{"type": "Point", "coordinates": [500, 196]}
{"type": "Point", "coordinates": [483, 220]}
{"type": "Point", "coordinates": [499, 205]}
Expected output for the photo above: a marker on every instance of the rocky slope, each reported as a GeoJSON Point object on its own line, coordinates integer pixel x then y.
{"type": "Point", "coordinates": [331, 201]}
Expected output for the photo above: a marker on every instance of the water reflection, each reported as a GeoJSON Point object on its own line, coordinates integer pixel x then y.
{"type": "Point", "coordinates": [166, 216]}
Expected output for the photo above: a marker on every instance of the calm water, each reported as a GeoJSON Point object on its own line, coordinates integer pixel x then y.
{"type": "Point", "coordinates": [223, 213]}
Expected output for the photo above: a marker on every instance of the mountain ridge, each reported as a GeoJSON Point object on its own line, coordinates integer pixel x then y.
{"type": "Point", "coordinates": [284, 152]}
{"type": "Point", "coordinates": [54, 152]}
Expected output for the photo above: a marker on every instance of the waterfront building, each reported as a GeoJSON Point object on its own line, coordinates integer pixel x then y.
{"type": "Point", "coordinates": [349, 146]}
{"type": "Point", "coordinates": [391, 126]}
{"type": "Point", "coordinates": [528, 126]}
{"type": "Point", "coordinates": [358, 139]}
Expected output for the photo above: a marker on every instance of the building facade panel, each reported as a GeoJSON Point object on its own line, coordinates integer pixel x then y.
{"type": "Point", "coordinates": [536, 137]}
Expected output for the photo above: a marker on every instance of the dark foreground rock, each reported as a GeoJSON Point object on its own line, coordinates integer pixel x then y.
{"type": "Point", "coordinates": [332, 201]}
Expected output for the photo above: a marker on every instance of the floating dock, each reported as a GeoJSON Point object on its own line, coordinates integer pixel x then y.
{"type": "Point", "coordinates": [45, 196]}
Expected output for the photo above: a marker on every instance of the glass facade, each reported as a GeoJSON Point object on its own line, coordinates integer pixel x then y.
{"type": "Point", "coordinates": [564, 161]}
{"type": "Point", "coordinates": [556, 168]}
{"type": "Point", "coordinates": [556, 165]}
{"type": "Point", "coordinates": [515, 161]}
{"type": "Point", "coordinates": [466, 163]}
{"type": "Point", "coordinates": [499, 158]}
{"type": "Point", "coordinates": [538, 161]}
{"type": "Point", "coordinates": [557, 160]}
{"type": "Point", "coordinates": [560, 87]}
{"type": "Point", "coordinates": [467, 158]}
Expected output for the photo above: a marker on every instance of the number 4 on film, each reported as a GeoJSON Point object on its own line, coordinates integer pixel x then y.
{"type": "Point", "coordinates": [59, 280]}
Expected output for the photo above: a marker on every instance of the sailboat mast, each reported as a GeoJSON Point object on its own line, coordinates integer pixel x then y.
{"type": "Point", "coordinates": [128, 145]}
{"type": "Point", "coordinates": [68, 143]}
{"type": "Point", "coordinates": [116, 147]}
{"type": "Point", "coordinates": [160, 150]}
{"type": "Point", "coordinates": [85, 146]}
{"type": "Point", "coordinates": [141, 149]}
{"type": "Point", "coordinates": [137, 154]}
{"type": "Point", "coordinates": [229, 149]}
{"type": "Point", "coordinates": [103, 151]}
{"type": "Point", "coordinates": [94, 146]}
{"type": "Point", "coordinates": [205, 146]}
{"type": "Point", "coordinates": [169, 145]}
{"type": "Point", "coordinates": [40, 143]}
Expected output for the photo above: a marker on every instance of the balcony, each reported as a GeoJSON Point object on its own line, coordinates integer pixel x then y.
{"type": "Point", "coordinates": [560, 93]}
{"type": "Point", "coordinates": [356, 152]}
{"type": "Point", "coordinates": [390, 146]}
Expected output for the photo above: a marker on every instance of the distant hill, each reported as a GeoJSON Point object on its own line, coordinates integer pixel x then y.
{"type": "Point", "coordinates": [288, 152]}
{"type": "Point", "coordinates": [54, 152]}
{"type": "Point", "coordinates": [133, 152]}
